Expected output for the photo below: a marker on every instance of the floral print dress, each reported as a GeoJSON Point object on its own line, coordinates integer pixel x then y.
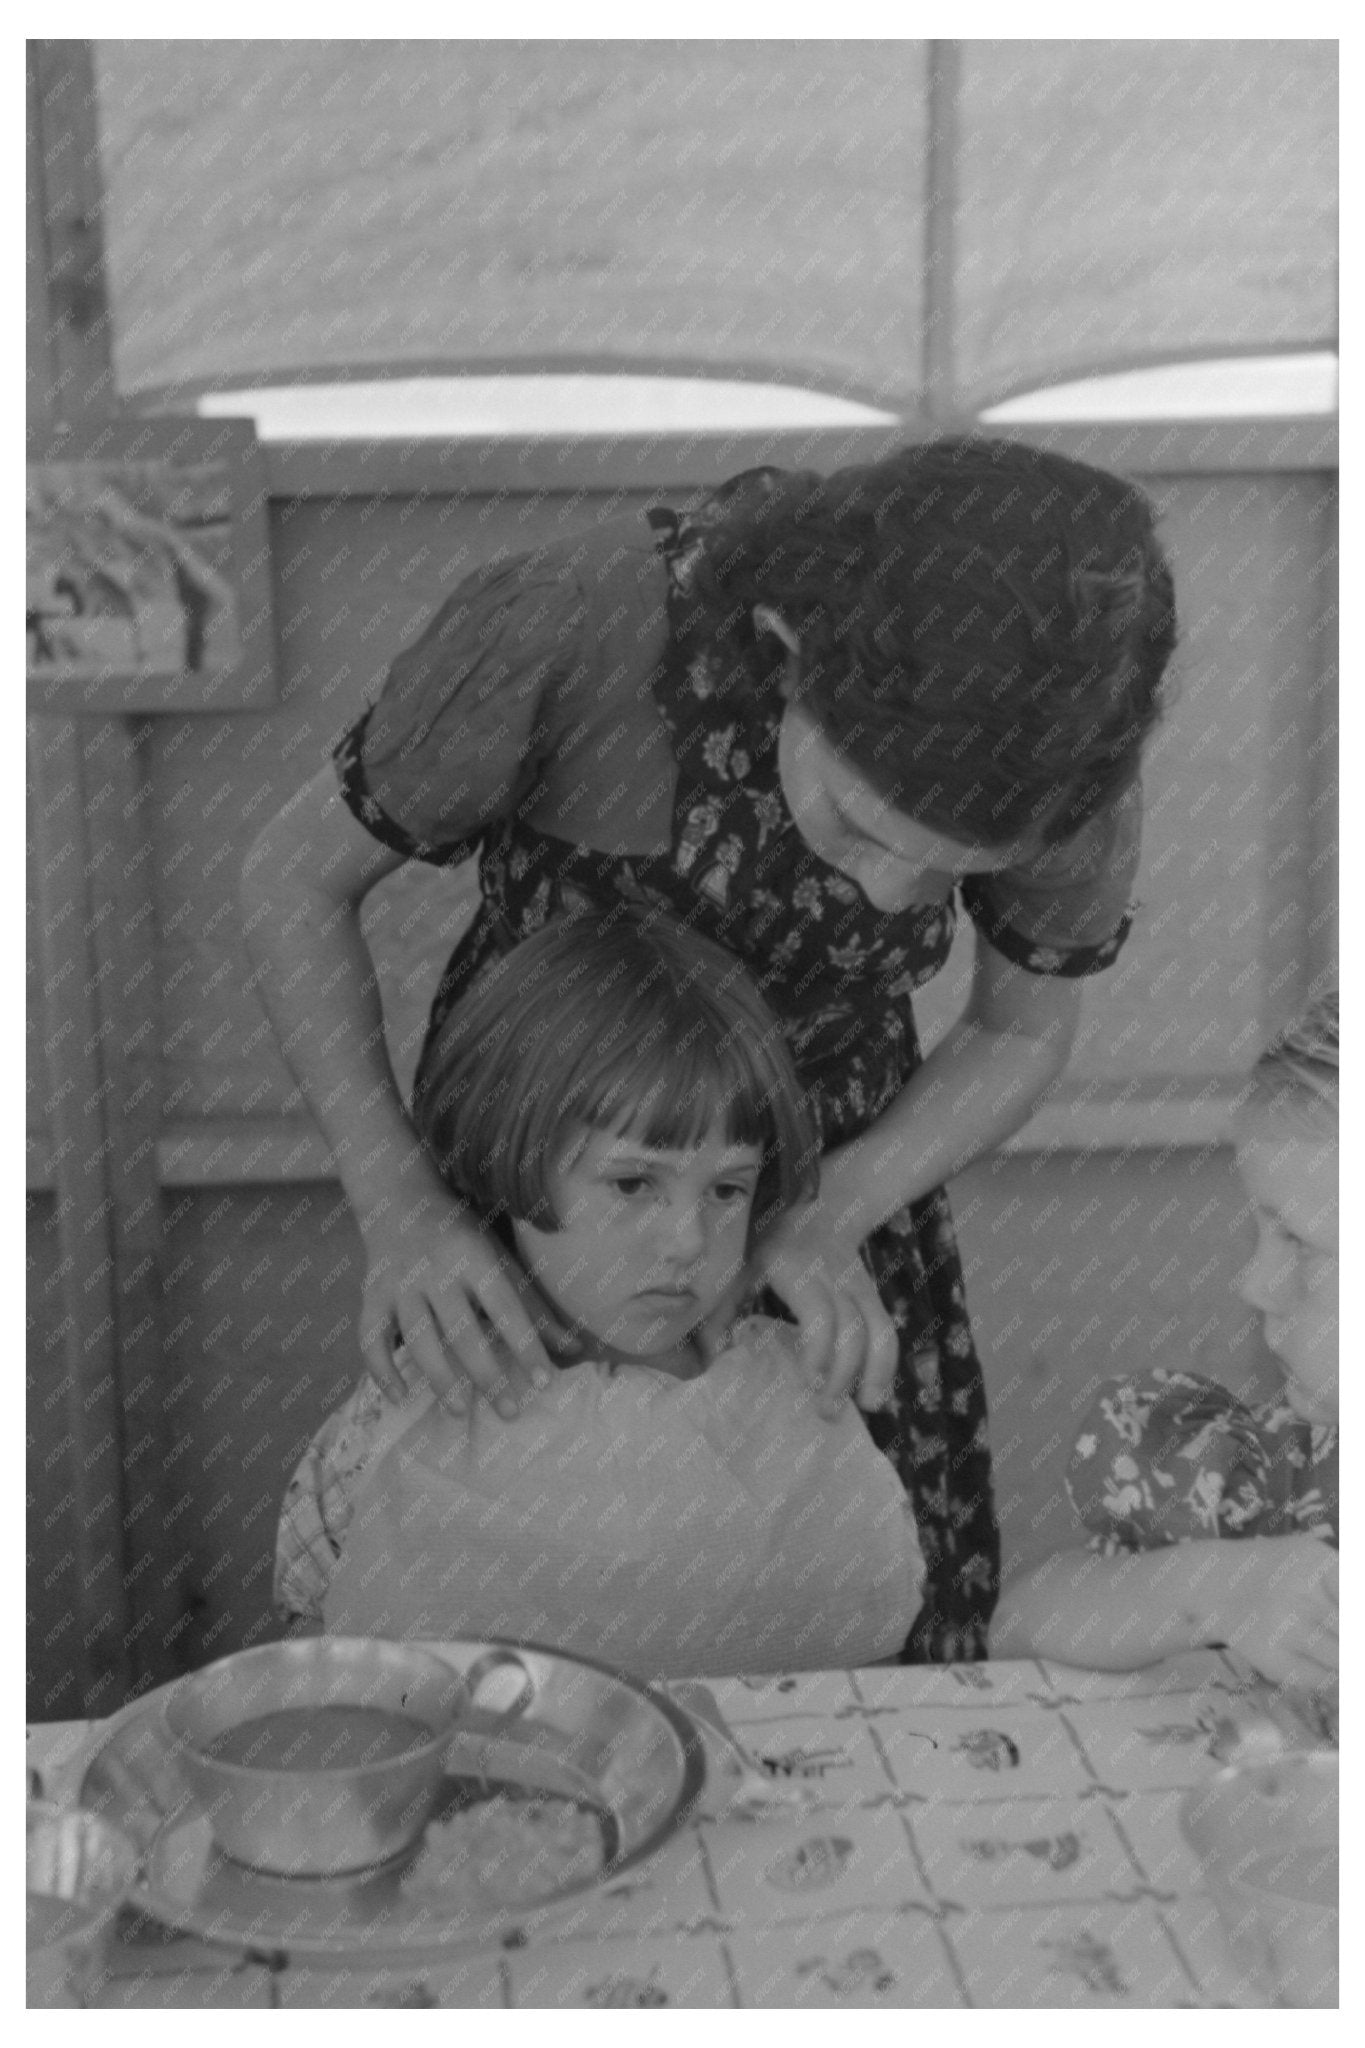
{"type": "Point", "coordinates": [839, 974]}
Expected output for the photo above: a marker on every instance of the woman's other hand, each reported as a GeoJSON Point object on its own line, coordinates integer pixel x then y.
{"type": "Point", "coordinates": [467, 1315]}
{"type": "Point", "coordinates": [1278, 1607]}
{"type": "Point", "coordinates": [847, 1339]}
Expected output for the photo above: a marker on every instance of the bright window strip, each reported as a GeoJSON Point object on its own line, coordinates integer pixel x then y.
{"type": "Point", "coordinates": [459, 407]}
{"type": "Point", "coordinates": [1242, 387]}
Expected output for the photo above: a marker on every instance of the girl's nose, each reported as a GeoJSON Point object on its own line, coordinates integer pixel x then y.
{"type": "Point", "coordinates": [1245, 1286]}
{"type": "Point", "coordinates": [1262, 1277]}
{"type": "Point", "coordinates": [686, 1232]}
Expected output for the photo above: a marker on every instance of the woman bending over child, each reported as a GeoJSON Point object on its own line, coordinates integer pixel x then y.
{"type": "Point", "coordinates": [1166, 1467]}
{"type": "Point", "coordinates": [616, 1097]}
{"type": "Point", "coordinates": [820, 719]}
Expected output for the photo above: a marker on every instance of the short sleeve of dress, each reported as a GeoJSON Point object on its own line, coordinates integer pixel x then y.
{"type": "Point", "coordinates": [1174, 1458]}
{"type": "Point", "coordinates": [467, 712]}
{"type": "Point", "coordinates": [1068, 910]}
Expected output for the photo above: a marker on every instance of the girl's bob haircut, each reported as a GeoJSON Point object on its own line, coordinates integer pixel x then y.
{"type": "Point", "coordinates": [623, 1020]}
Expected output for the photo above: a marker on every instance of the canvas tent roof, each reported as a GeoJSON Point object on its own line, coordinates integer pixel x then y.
{"type": "Point", "coordinates": [752, 206]}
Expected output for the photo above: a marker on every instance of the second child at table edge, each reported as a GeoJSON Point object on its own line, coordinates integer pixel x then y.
{"type": "Point", "coordinates": [1167, 1470]}
{"type": "Point", "coordinates": [811, 716]}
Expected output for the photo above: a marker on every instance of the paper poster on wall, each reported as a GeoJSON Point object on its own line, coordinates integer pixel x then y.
{"type": "Point", "coordinates": [148, 583]}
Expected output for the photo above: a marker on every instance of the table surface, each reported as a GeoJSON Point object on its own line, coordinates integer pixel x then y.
{"type": "Point", "coordinates": [1001, 1834]}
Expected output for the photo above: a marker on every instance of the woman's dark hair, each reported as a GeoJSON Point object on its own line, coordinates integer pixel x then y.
{"type": "Point", "coordinates": [984, 626]}
{"type": "Point", "coordinates": [623, 1020]}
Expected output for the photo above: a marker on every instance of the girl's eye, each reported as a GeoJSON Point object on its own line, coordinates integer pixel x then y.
{"type": "Point", "coordinates": [629, 1183]}
{"type": "Point", "coordinates": [733, 1190]}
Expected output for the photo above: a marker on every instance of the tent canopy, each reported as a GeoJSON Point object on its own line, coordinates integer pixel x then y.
{"type": "Point", "coordinates": [781, 209]}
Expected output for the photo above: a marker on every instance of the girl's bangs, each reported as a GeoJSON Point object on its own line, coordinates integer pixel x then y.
{"type": "Point", "coordinates": [671, 1096]}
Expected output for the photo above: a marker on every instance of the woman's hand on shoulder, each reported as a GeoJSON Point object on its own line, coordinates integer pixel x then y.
{"type": "Point", "coordinates": [847, 1340]}
{"type": "Point", "coordinates": [466, 1314]}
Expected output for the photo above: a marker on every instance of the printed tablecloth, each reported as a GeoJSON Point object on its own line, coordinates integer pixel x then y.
{"type": "Point", "coordinates": [1001, 1834]}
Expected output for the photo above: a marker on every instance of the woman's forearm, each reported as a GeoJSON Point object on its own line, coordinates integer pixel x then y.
{"type": "Point", "coordinates": [1116, 1613]}
{"type": "Point", "coordinates": [319, 989]}
{"type": "Point", "coordinates": [977, 1087]}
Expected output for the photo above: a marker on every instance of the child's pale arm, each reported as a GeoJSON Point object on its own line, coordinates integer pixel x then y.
{"type": "Point", "coordinates": [1272, 1599]}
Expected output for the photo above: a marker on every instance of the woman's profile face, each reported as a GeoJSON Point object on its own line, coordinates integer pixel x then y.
{"type": "Point", "coordinates": [894, 859]}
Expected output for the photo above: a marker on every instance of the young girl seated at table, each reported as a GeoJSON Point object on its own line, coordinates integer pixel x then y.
{"type": "Point", "coordinates": [617, 1102]}
{"type": "Point", "coordinates": [1165, 1468]}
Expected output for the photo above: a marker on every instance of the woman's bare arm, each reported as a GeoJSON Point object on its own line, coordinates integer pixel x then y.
{"type": "Point", "coordinates": [433, 1273]}
{"type": "Point", "coordinates": [975, 1089]}
{"type": "Point", "coordinates": [302, 886]}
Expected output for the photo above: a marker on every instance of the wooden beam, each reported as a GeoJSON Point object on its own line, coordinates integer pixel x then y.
{"type": "Point", "coordinates": [75, 1107]}
{"type": "Point", "coordinates": [940, 232]}
{"type": "Point", "coordinates": [100, 1026]}
{"type": "Point", "coordinates": [1324, 751]}
{"type": "Point", "coordinates": [70, 354]}
{"type": "Point", "coordinates": [226, 1152]}
{"type": "Point", "coordinates": [603, 467]}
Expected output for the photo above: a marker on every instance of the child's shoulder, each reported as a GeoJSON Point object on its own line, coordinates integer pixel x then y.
{"type": "Point", "coordinates": [1131, 1409]}
{"type": "Point", "coordinates": [1172, 1455]}
{"type": "Point", "coordinates": [1166, 1406]}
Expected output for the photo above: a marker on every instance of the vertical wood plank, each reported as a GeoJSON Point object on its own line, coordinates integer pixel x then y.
{"type": "Point", "coordinates": [120, 854]}
{"type": "Point", "coordinates": [945, 63]}
{"type": "Point", "coordinates": [1298, 829]}
{"type": "Point", "coordinates": [95, 939]}
{"type": "Point", "coordinates": [99, 1636]}
{"type": "Point", "coordinates": [39, 350]}
{"type": "Point", "coordinates": [1324, 756]}
{"type": "Point", "coordinates": [66, 207]}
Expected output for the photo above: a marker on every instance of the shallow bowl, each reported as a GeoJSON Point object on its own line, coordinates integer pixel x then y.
{"type": "Point", "coordinates": [316, 1820]}
{"type": "Point", "coordinates": [539, 1724]}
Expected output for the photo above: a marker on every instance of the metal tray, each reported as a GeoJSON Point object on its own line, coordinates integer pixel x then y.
{"type": "Point", "coordinates": [542, 1723]}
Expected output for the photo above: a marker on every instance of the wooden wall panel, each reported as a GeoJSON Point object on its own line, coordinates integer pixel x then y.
{"type": "Point", "coordinates": [54, 1658]}
{"type": "Point", "coordinates": [1221, 952]}
{"type": "Point", "coordinates": [355, 580]}
{"type": "Point", "coordinates": [1237, 889]}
